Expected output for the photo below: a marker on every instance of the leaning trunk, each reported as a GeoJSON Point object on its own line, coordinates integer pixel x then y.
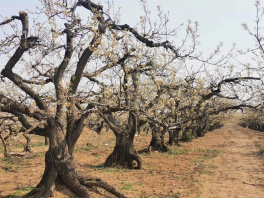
{"type": "Point", "coordinates": [124, 153]}
{"type": "Point", "coordinates": [59, 166]}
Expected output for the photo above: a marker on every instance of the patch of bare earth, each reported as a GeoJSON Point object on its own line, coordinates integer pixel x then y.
{"type": "Point", "coordinates": [239, 171]}
{"type": "Point", "coordinates": [221, 164]}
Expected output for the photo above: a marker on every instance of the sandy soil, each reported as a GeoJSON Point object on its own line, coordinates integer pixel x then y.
{"type": "Point", "coordinates": [224, 163]}
{"type": "Point", "coordinates": [239, 171]}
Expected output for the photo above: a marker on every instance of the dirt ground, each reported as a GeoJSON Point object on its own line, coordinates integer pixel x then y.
{"type": "Point", "coordinates": [223, 163]}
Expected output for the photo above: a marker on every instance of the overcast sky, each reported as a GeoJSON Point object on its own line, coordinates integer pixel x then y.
{"type": "Point", "coordinates": [220, 20]}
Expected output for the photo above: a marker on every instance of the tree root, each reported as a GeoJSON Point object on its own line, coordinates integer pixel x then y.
{"type": "Point", "coordinates": [45, 187]}
{"type": "Point", "coordinates": [49, 192]}
{"type": "Point", "coordinates": [158, 147]}
{"type": "Point", "coordinates": [149, 149]}
{"type": "Point", "coordinates": [69, 178]}
{"type": "Point", "coordinates": [125, 163]}
{"type": "Point", "coordinates": [97, 182]}
{"type": "Point", "coordinates": [165, 148]}
{"type": "Point", "coordinates": [137, 159]}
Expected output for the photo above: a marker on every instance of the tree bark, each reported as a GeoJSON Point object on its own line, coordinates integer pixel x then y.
{"type": "Point", "coordinates": [59, 166]}
{"type": "Point", "coordinates": [124, 153]}
{"type": "Point", "coordinates": [46, 141]}
{"type": "Point", "coordinates": [202, 127]}
{"type": "Point", "coordinates": [174, 136]}
{"type": "Point", "coordinates": [27, 147]}
{"type": "Point", "coordinates": [157, 142]}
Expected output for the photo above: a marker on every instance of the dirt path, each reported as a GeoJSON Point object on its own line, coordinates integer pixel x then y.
{"type": "Point", "coordinates": [238, 172]}
{"type": "Point", "coordinates": [223, 164]}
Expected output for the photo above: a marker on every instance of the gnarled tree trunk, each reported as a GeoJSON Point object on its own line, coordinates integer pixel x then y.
{"type": "Point", "coordinates": [174, 136]}
{"type": "Point", "coordinates": [60, 166]}
{"type": "Point", "coordinates": [202, 126]}
{"type": "Point", "coordinates": [124, 153]}
{"type": "Point", "coordinates": [157, 142]}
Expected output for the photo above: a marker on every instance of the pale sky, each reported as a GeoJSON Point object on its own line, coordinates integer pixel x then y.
{"type": "Point", "coordinates": [220, 20]}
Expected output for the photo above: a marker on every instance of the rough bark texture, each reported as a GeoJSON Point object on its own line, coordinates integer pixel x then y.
{"type": "Point", "coordinates": [124, 153]}
{"type": "Point", "coordinates": [157, 142]}
{"type": "Point", "coordinates": [174, 137]}
{"type": "Point", "coordinates": [46, 141]}
{"type": "Point", "coordinates": [202, 127]}
{"type": "Point", "coordinates": [59, 166]}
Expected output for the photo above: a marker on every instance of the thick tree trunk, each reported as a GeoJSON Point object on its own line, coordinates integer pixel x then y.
{"type": "Point", "coordinates": [199, 132]}
{"type": "Point", "coordinates": [202, 126]}
{"type": "Point", "coordinates": [59, 166]}
{"type": "Point", "coordinates": [202, 129]}
{"type": "Point", "coordinates": [174, 137]}
{"type": "Point", "coordinates": [195, 131]}
{"type": "Point", "coordinates": [124, 153]}
{"type": "Point", "coordinates": [157, 142]}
